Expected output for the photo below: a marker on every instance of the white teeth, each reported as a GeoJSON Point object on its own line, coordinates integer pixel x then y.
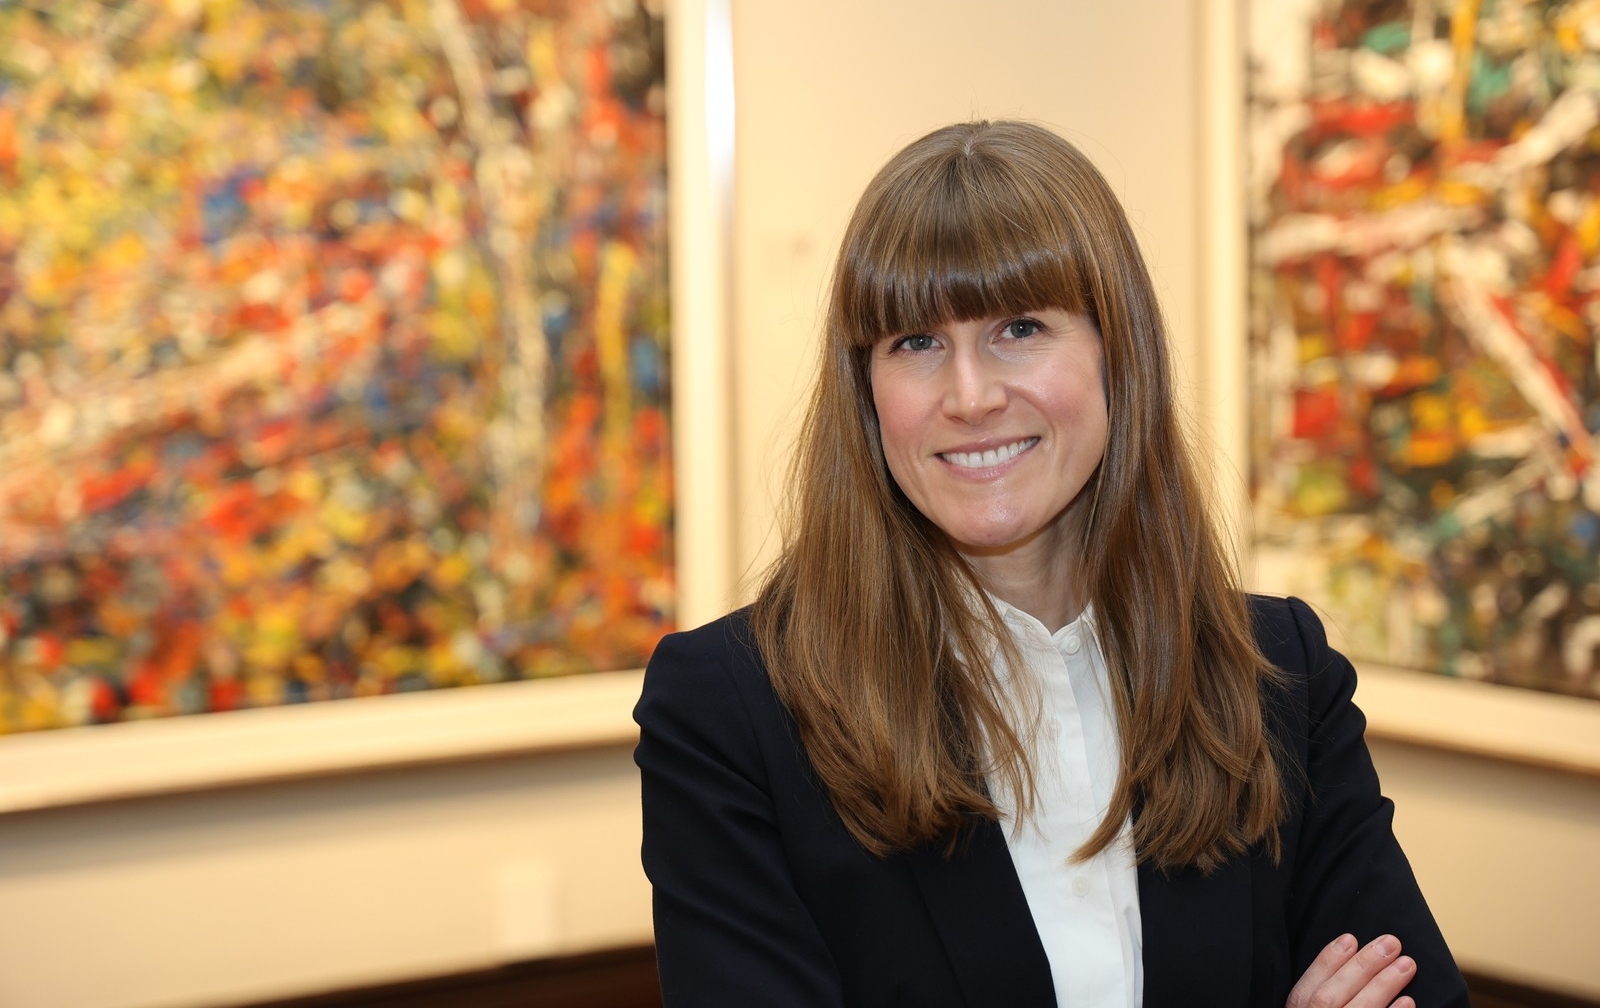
{"type": "Point", "coordinates": [992, 457]}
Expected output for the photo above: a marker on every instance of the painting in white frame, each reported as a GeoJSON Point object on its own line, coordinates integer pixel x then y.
{"type": "Point", "coordinates": [1425, 708]}
{"type": "Point", "coordinates": [66, 766]}
{"type": "Point", "coordinates": [1424, 295]}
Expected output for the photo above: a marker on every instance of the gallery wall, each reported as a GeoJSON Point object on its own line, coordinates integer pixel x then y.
{"type": "Point", "coordinates": [828, 92]}
{"type": "Point", "coordinates": [271, 890]}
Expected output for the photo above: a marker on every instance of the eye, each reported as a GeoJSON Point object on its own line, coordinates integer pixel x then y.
{"type": "Point", "coordinates": [916, 343]}
{"type": "Point", "coordinates": [1021, 328]}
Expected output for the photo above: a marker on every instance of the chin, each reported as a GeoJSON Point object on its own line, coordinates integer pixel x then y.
{"type": "Point", "coordinates": [988, 541]}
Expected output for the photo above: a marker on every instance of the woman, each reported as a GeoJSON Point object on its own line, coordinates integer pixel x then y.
{"type": "Point", "coordinates": [1000, 728]}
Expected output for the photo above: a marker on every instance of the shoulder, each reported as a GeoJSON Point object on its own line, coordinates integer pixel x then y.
{"type": "Point", "coordinates": [1286, 631]}
{"type": "Point", "coordinates": [1316, 683]}
{"type": "Point", "coordinates": [726, 639]}
{"type": "Point", "coordinates": [717, 657]}
{"type": "Point", "coordinates": [709, 682]}
{"type": "Point", "coordinates": [1292, 637]}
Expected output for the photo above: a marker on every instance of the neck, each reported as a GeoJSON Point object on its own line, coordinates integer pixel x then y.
{"type": "Point", "coordinates": [1043, 586]}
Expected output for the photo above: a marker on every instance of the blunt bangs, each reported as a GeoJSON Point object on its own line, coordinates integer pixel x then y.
{"type": "Point", "coordinates": [958, 235]}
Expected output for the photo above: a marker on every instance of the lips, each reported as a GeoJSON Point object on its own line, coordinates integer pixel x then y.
{"type": "Point", "coordinates": [990, 457]}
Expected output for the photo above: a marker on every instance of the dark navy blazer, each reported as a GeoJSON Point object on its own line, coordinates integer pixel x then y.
{"type": "Point", "coordinates": [762, 898]}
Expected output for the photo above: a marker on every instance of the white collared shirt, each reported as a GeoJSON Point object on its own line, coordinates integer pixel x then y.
{"type": "Point", "coordinates": [1087, 912]}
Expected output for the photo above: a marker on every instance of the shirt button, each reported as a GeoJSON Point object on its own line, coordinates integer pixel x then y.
{"type": "Point", "coordinates": [1080, 887]}
{"type": "Point", "coordinates": [1072, 644]}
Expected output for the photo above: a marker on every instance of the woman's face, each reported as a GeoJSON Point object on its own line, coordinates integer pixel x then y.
{"type": "Point", "coordinates": [991, 427]}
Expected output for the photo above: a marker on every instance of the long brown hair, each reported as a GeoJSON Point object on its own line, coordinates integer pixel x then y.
{"type": "Point", "coordinates": [872, 626]}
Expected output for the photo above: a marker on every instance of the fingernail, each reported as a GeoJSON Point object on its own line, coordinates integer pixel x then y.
{"type": "Point", "coordinates": [1346, 943]}
{"type": "Point", "coordinates": [1405, 965]}
{"type": "Point", "coordinates": [1388, 945]}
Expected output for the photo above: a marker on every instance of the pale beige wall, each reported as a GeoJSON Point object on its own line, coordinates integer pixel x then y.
{"type": "Point", "coordinates": [1509, 857]}
{"type": "Point", "coordinates": [227, 896]}
{"type": "Point", "coordinates": [829, 89]}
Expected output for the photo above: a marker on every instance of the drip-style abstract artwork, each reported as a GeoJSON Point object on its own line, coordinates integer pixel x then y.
{"type": "Point", "coordinates": [1425, 298]}
{"type": "Point", "coordinates": [333, 350]}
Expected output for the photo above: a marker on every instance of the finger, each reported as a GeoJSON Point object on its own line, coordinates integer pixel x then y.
{"type": "Point", "coordinates": [1372, 977]}
{"type": "Point", "coordinates": [1328, 962]}
{"type": "Point", "coordinates": [1381, 990]}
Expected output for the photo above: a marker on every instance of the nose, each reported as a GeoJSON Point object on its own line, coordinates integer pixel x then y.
{"type": "Point", "coordinates": [973, 387]}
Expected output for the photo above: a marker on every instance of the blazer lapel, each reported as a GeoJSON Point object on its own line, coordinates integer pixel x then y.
{"type": "Point", "coordinates": [1198, 931]}
{"type": "Point", "coordinates": [1198, 936]}
{"type": "Point", "coordinates": [982, 918]}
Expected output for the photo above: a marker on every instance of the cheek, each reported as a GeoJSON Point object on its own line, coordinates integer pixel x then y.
{"type": "Point", "coordinates": [896, 420]}
{"type": "Point", "coordinates": [1082, 404]}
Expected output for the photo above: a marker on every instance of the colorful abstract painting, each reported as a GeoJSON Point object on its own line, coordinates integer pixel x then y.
{"type": "Point", "coordinates": [1425, 297]}
{"type": "Point", "coordinates": [333, 349]}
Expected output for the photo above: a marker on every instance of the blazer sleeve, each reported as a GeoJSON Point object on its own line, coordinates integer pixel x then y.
{"type": "Point", "coordinates": [1350, 873]}
{"type": "Point", "coordinates": [731, 929]}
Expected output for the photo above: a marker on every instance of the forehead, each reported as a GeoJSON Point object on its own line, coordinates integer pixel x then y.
{"type": "Point", "coordinates": [922, 280]}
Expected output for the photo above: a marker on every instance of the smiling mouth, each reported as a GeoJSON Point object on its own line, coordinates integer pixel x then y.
{"type": "Point", "coordinates": [990, 458]}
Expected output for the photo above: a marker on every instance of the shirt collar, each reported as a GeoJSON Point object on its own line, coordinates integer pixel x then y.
{"type": "Point", "coordinates": [1023, 622]}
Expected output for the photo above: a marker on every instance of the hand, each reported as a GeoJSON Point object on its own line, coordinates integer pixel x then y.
{"type": "Point", "coordinates": [1345, 976]}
